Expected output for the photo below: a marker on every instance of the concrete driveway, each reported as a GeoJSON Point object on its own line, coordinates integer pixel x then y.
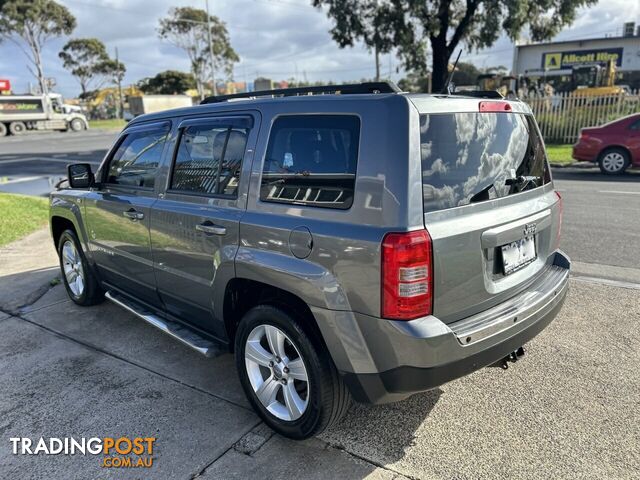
{"type": "Point", "coordinates": [569, 409]}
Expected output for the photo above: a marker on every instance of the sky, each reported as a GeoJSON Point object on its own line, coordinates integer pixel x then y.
{"type": "Point", "coordinates": [278, 39]}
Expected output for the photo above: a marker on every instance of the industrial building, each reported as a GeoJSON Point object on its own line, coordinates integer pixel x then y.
{"type": "Point", "coordinates": [552, 62]}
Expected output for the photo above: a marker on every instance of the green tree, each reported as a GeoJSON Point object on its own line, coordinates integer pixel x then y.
{"type": "Point", "coordinates": [30, 24]}
{"type": "Point", "coordinates": [186, 28]}
{"type": "Point", "coordinates": [169, 82]}
{"type": "Point", "coordinates": [441, 26]}
{"type": "Point", "coordinates": [88, 61]}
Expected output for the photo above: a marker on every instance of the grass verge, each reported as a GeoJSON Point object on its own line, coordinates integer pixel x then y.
{"type": "Point", "coordinates": [114, 123]}
{"type": "Point", "coordinates": [559, 154]}
{"type": "Point", "coordinates": [20, 215]}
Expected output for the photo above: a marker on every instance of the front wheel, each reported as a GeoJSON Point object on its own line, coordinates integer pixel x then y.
{"type": "Point", "coordinates": [613, 161]}
{"type": "Point", "coordinates": [77, 125]}
{"type": "Point", "coordinates": [287, 375]}
{"type": "Point", "coordinates": [82, 286]}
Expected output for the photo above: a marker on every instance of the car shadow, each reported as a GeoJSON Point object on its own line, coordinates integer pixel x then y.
{"type": "Point", "coordinates": [388, 430]}
{"type": "Point", "coordinates": [594, 174]}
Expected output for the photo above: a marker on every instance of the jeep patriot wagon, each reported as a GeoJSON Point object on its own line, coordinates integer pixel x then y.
{"type": "Point", "coordinates": [344, 242]}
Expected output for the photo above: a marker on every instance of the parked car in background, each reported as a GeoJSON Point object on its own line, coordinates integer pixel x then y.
{"type": "Point", "coordinates": [614, 146]}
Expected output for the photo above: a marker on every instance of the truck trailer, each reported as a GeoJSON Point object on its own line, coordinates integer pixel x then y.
{"type": "Point", "coordinates": [20, 113]}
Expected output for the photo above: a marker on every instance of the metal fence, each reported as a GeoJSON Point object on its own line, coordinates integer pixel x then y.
{"type": "Point", "coordinates": [561, 116]}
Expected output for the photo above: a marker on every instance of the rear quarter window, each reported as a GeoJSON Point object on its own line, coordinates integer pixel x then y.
{"type": "Point", "coordinates": [473, 157]}
{"type": "Point", "coordinates": [311, 160]}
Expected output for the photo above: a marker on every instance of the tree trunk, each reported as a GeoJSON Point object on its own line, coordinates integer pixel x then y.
{"type": "Point", "coordinates": [440, 64]}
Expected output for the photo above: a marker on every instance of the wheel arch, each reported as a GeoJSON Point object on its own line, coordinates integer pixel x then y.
{"type": "Point", "coordinates": [614, 147]}
{"type": "Point", "coordinates": [58, 225]}
{"type": "Point", "coordinates": [242, 294]}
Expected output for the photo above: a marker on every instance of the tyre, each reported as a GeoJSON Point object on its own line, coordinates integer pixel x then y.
{"type": "Point", "coordinates": [287, 375]}
{"type": "Point", "coordinates": [613, 161]}
{"type": "Point", "coordinates": [17, 128]}
{"type": "Point", "coordinates": [77, 125]}
{"type": "Point", "coordinates": [78, 279]}
{"type": "Point", "coordinates": [3, 129]}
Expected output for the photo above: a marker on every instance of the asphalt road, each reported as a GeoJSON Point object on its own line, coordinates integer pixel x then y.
{"type": "Point", "coordinates": [601, 216]}
{"type": "Point", "coordinates": [33, 164]}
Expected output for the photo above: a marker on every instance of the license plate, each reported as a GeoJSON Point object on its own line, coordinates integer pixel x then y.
{"type": "Point", "coordinates": [518, 254]}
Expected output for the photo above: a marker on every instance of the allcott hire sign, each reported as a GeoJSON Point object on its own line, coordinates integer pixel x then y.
{"type": "Point", "coordinates": [568, 59]}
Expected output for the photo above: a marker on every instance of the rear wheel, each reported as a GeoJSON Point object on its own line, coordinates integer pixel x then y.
{"type": "Point", "coordinates": [613, 161]}
{"type": "Point", "coordinates": [81, 284]}
{"type": "Point", "coordinates": [17, 128]}
{"type": "Point", "coordinates": [3, 129]}
{"type": "Point", "coordinates": [287, 375]}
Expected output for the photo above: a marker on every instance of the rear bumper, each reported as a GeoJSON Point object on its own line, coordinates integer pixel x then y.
{"type": "Point", "coordinates": [584, 153]}
{"type": "Point", "coordinates": [386, 361]}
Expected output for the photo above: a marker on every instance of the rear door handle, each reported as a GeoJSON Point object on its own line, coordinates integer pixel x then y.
{"type": "Point", "coordinates": [133, 214]}
{"type": "Point", "coordinates": [211, 229]}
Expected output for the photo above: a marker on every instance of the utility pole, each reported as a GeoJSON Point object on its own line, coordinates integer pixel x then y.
{"type": "Point", "coordinates": [213, 68]}
{"type": "Point", "coordinates": [377, 63]}
{"type": "Point", "coordinates": [119, 81]}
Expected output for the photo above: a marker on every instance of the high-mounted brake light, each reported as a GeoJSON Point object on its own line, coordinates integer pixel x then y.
{"type": "Point", "coordinates": [407, 275]}
{"type": "Point", "coordinates": [494, 107]}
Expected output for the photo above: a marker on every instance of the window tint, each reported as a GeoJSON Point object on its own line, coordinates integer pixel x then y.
{"type": "Point", "coordinates": [209, 159]}
{"type": "Point", "coordinates": [472, 157]}
{"type": "Point", "coordinates": [311, 160]}
{"type": "Point", "coordinates": [136, 161]}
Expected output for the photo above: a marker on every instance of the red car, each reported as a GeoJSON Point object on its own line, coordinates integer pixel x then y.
{"type": "Point", "coordinates": [615, 145]}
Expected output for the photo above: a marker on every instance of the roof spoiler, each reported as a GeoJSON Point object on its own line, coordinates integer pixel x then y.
{"type": "Point", "coordinates": [347, 89]}
{"type": "Point", "coordinates": [479, 94]}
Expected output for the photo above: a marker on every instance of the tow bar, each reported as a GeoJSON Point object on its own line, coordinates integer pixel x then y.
{"type": "Point", "coordinates": [512, 357]}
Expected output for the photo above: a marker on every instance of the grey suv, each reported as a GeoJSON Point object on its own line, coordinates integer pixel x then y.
{"type": "Point", "coordinates": [345, 242]}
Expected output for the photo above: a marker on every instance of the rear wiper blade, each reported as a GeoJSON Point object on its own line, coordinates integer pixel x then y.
{"type": "Point", "coordinates": [522, 181]}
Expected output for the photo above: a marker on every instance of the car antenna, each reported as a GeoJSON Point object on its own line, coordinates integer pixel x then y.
{"type": "Point", "coordinates": [446, 88]}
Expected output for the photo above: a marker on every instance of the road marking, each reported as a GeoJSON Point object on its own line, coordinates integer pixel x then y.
{"type": "Point", "coordinates": [622, 192]}
{"type": "Point", "coordinates": [606, 281]}
{"type": "Point", "coordinates": [45, 159]}
{"type": "Point", "coordinates": [20, 180]}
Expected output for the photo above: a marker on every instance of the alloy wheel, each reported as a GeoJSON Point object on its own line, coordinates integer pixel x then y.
{"type": "Point", "coordinates": [277, 372]}
{"type": "Point", "coordinates": [72, 266]}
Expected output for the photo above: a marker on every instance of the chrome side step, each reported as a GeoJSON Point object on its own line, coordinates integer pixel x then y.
{"type": "Point", "coordinates": [176, 330]}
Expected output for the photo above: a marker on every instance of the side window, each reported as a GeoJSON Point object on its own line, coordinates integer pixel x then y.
{"type": "Point", "coordinates": [209, 159]}
{"type": "Point", "coordinates": [311, 160]}
{"type": "Point", "coordinates": [136, 161]}
{"type": "Point", "coordinates": [635, 125]}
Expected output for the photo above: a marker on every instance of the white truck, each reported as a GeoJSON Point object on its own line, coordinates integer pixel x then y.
{"type": "Point", "coordinates": [19, 113]}
{"type": "Point", "coordinates": [157, 103]}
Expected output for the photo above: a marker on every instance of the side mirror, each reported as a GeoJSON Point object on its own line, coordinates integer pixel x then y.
{"type": "Point", "coordinates": [80, 175]}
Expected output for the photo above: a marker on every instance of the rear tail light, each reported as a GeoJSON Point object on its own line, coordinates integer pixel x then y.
{"type": "Point", "coordinates": [494, 106]}
{"type": "Point", "coordinates": [407, 275]}
{"type": "Point", "coordinates": [584, 136]}
{"type": "Point", "coordinates": [560, 213]}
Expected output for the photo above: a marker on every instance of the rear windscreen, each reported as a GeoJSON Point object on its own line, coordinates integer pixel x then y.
{"type": "Point", "coordinates": [473, 157]}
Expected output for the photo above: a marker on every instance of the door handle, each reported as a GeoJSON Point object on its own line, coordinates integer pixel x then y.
{"type": "Point", "coordinates": [211, 229]}
{"type": "Point", "coordinates": [133, 214]}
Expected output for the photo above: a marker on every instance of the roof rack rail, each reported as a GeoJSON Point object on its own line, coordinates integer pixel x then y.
{"type": "Point", "coordinates": [347, 89]}
{"type": "Point", "coordinates": [478, 94]}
